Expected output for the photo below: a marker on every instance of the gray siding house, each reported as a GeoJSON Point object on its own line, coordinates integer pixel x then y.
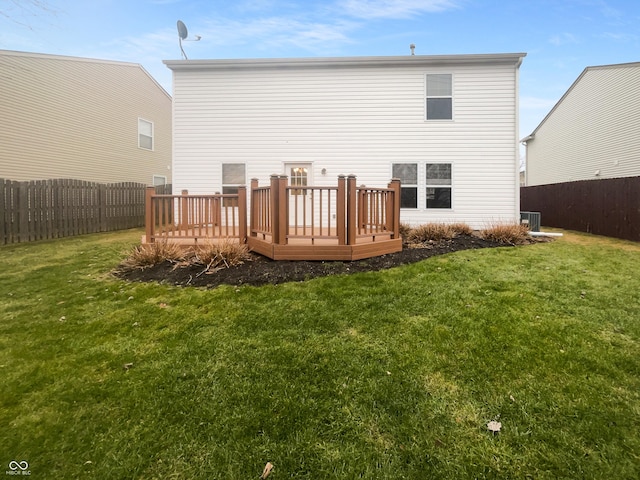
{"type": "Point", "coordinates": [592, 132]}
{"type": "Point", "coordinates": [80, 118]}
{"type": "Point", "coordinates": [445, 125]}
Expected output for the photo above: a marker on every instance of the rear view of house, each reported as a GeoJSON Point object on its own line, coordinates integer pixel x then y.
{"type": "Point", "coordinates": [85, 119]}
{"type": "Point", "coordinates": [446, 126]}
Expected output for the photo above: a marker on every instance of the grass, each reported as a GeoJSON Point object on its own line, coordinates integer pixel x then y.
{"type": "Point", "coordinates": [384, 375]}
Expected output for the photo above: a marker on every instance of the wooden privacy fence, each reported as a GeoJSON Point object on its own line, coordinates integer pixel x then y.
{"type": "Point", "coordinates": [46, 209]}
{"type": "Point", "coordinates": [285, 222]}
{"type": "Point", "coordinates": [609, 207]}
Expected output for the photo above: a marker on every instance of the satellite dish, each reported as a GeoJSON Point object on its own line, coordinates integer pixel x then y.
{"type": "Point", "coordinates": [182, 35]}
{"type": "Point", "coordinates": [182, 30]}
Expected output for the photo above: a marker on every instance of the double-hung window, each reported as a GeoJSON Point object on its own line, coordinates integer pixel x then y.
{"type": "Point", "coordinates": [438, 183]}
{"type": "Point", "coordinates": [407, 173]}
{"type": "Point", "coordinates": [233, 175]}
{"type": "Point", "coordinates": [145, 134]}
{"type": "Point", "coordinates": [439, 96]}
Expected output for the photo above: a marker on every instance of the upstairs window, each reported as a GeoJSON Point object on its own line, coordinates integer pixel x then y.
{"type": "Point", "coordinates": [145, 134]}
{"type": "Point", "coordinates": [438, 185]}
{"type": "Point", "coordinates": [439, 96]}
{"type": "Point", "coordinates": [407, 173]}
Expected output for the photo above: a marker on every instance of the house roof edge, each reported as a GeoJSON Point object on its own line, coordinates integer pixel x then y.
{"type": "Point", "coordinates": [404, 60]}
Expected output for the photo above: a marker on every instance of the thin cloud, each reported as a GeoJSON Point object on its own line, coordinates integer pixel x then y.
{"type": "Point", "coordinates": [279, 32]}
{"type": "Point", "coordinates": [563, 39]}
{"type": "Point", "coordinates": [369, 9]}
{"type": "Point", "coordinates": [620, 37]}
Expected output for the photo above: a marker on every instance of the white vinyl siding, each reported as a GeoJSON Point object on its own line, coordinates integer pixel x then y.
{"type": "Point", "coordinates": [68, 117]}
{"type": "Point", "coordinates": [351, 119]}
{"type": "Point", "coordinates": [593, 132]}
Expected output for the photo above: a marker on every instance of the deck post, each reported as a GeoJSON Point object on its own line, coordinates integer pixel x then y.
{"type": "Point", "coordinates": [149, 214]}
{"type": "Point", "coordinates": [242, 214]}
{"type": "Point", "coordinates": [340, 210]}
{"type": "Point", "coordinates": [352, 220]}
{"type": "Point", "coordinates": [283, 209]}
{"type": "Point", "coordinates": [363, 207]}
{"type": "Point", "coordinates": [393, 208]}
{"type": "Point", "coordinates": [273, 192]}
{"type": "Point", "coordinates": [184, 211]}
{"type": "Point", "coordinates": [253, 211]}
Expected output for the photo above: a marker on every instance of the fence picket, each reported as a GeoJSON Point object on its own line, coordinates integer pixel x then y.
{"type": "Point", "coordinates": [609, 207]}
{"type": "Point", "coordinates": [55, 208]}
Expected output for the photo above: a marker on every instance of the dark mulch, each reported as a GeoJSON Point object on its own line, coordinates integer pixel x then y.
{"type": "Point", "coordinates": [261, 270]}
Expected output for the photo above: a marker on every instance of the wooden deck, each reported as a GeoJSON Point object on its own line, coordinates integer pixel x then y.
{"type": "Point", "coordinates": [283, 222]}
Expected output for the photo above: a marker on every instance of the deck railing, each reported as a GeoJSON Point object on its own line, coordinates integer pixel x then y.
{"type": "Point", "coordinates": [196, 217]}
{"type": "Point", "coordinates": [342, 222]}
{"type": "Point", "coordinates": [343, 213]}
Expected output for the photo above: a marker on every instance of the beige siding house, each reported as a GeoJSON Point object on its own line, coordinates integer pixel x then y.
{"type": "Point", "coordinates": [446, 125]}
{"type": "Point", "coordinates": [592, 132]}
{"type": "Point", "coordinates": [79, 118]}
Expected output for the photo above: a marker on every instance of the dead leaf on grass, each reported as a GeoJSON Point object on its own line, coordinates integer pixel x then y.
{"type": "Point", "coordinates": [267, 470]}
{"type": "Point", "coordinates": [494, 426]}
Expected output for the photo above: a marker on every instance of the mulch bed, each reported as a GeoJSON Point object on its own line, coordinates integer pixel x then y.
{"type": "Point", "coordinates": [260, 270]}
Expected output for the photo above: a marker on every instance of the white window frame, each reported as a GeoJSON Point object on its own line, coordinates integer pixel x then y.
{"type": "Point", "coordinates": [427, 97]}
{"type": "Point", "coordinates": [232, 185]}
{"type": "Point", "coordinates": [428, 185]}
{"type": "Point", "coordinates": [141, 133]}
{"type": "Point", "coordinates": [163, 178]}
{"type": "Point", "coordinates": [403, 185]}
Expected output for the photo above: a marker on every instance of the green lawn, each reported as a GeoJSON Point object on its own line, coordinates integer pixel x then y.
{"type": "Point", "coordinates": [384, 375]}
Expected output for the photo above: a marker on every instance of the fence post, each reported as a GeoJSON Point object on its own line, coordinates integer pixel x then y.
{"type": "Point", "coordinates": [351, 210]}
{"type": "Point", "coordinates": [393, 208]}
{"type": "Point", "coordinates": [242, 213]}
{"type": "Point", "coordinates": [23, 211]}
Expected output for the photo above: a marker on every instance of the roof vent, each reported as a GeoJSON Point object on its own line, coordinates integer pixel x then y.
{"type": "Point", "coordinates": [413, 48]}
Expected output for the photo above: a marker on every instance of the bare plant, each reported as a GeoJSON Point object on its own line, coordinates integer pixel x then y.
{"type": "Point", "coordinates": [431, 232]}
{"type": "Point", "coordinates": [461, 228]}
{"type": "Point", "coordinates": [510, 233]}
{"type": "Point", "coordinates": [223, 254]}
{"type": "Point", "coordinates": [150, 254]}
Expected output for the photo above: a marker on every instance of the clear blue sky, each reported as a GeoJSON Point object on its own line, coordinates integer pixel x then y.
{"type": "Point", "coordinates": [560, 37]}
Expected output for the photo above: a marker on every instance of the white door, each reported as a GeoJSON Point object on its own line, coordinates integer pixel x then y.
{"type": "Point", "coordinates": [300, 200]}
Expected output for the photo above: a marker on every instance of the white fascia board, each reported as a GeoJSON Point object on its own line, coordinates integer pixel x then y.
{"type": "Point", "coordinates": [315, 62]}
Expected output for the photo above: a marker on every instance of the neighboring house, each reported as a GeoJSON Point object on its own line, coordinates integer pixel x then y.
{"type": "Point", "coordinates": [592, 132]}
{"type": "Point", "coordinates": [85, 119]}
{"type": "Point", "coordinates": [446, 126]}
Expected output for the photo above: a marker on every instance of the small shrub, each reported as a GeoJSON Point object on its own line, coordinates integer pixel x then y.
{"type": "Point", "coordinates": [431, 232]}
{"type": "Point", "coordinates": [219, 255]}
{"type": "Point", "coordinates": [405, 230]}
{"type": "Point", "coordinates": [151, 254]}
{"type": "Point", "coordinates": [461, 228]}
{"type": "Point", "coordinates": [513, 234]}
